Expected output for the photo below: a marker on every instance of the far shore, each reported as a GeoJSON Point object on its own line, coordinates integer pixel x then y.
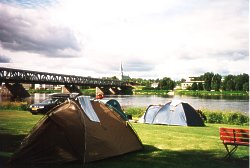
{"type": "Point", "coordinates": [92, 91]}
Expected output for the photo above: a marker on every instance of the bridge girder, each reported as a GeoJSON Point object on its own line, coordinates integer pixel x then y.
{"type": "Point", "coordinates": [10, 75]}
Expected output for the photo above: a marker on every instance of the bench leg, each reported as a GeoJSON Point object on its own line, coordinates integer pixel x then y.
{"type": "Point", "coordinates": [230, 152]}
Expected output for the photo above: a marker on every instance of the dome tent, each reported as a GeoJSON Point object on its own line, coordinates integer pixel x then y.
{"type": "Point", "coordinates": [77, 130]}
{"type": "Point", "coordinates": [115, 105]}
{"type": "Point", "coordinates": [172, 113]}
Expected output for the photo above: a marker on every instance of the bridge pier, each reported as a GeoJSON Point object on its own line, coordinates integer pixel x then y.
{"type": "Point", "coordinates": [70, 89]}
{"type": "Point", "coordinates": [102, 91]}
{"type": "Point", "coordinates": [16, 90]}
{"type": "Point", "coordinates": [126, 90]}
{"type": "Point", "coordinates": [4, 91]}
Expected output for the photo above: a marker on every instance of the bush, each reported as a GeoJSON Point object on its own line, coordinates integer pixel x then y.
{"type": "Point", "coordinates": [148, 88]}
{"type": "Point", "coordinates": [14, 106]}
{"type": "Point", "coordinates": [214, 117]}
{"type": "Point", "coordinates": [135, 111]}
{"type": "Point", "coordinates": [31, 91]}
{"type": "Point", "coordinates": [233, 118]}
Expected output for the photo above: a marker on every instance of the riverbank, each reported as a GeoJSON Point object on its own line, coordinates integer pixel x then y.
{"type": "Point", "coordinates": [192, 93]}
{"type": "Point", "coordinates": [90, 91]}
{"type": "Point", "coordinates": [140, 91]}
{"type": "Point", "coordinates": [32, 91]}
{"type": "Point", "coordinates": [164, 146]}
{"type": "Point", "coordinates": [212, 93]}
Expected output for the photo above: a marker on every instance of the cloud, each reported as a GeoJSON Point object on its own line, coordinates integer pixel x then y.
{"type": "Point", "coordinates": [4, 59]}
{"type": "Point", "coordinates": [30, 30]}
{"type": "Point", "coordinates": [29, 3]}
{"type": "Point", "coordinates": [138, 65]}
{"type": "Point", "coordinates": [233, 55]}
{"type": "Point", "coordinates": [153, 39]}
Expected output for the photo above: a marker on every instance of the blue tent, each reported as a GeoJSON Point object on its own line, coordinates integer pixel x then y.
{"type": "Point", "coordinates": [172, 113]}
{"type": "Point", "coordinates": [115, 105]}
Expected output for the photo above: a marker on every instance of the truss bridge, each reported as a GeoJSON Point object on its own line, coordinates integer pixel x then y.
{"type": "Point", "coordinates": [71, 82]}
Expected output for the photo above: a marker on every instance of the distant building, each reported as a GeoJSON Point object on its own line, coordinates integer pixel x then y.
{"type": "Point", "coordinates": [189, 82]}
{"type": "Point", "coordinates": [46, 87]}
{"type": "Point", "coordinates": [154, 85]}
{"type": "Point", "coordinates": [27, 86]}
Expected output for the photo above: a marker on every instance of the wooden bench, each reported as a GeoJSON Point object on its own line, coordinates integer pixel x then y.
{"type": "Point", "coordinates": [234, 137]}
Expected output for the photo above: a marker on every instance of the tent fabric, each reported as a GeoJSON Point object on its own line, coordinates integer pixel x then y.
{"type": "Point", "coordinates": [176, 102]}
{"type": "Point", "coordinates": [87, 108]}
{"type": "Point", "coordinates": [58, 137]}
{"type": "Point", "coordinates": [114, 104]}
{"type": "Point", "coordinates": [66, 134]}
{"type": "Point", "coordinates": [151, 112]}
{"type": "Point", "coordinates": [172, 113]}
{"type": "Point", "coordinates": [193, 117]}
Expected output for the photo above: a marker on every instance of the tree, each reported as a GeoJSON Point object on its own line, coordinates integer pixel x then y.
{"type": "Point", "coordinates": [194, 86]}
{"type": "Point", "coordinates": [114, 78]}
{"type": "Point", "coordinates": [246, 86]}
{"type": "Point", "coordinates": [166, 84]}
{"type": "Point", "coordinates": [240, 80]}
{"type": "Point", "coordinates": [200, 86]}
{"type": "Point", "coordinates": [229, 83]}
{"type": "Point", "coordinates": [148, 84]}
{"type": "Point", "coordinates": [207, 77]}
{"type": "Point", "coordinates": [216, 82]}
{"type": "Point", "coordinates": [183, 80]}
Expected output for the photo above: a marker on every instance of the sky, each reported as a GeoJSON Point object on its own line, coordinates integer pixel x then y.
{"type": "Point", "coordinates": [151, 38]}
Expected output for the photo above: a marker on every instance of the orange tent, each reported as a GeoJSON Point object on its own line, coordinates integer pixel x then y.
{"type": "Point", "coordinates": [77, 130]}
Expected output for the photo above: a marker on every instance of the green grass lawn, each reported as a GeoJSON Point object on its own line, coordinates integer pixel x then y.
{"type": "Point", "coordinates": [164, 146]}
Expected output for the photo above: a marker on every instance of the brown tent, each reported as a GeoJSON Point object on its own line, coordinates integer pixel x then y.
{"type": "Point", "coordinates": [72, 132]}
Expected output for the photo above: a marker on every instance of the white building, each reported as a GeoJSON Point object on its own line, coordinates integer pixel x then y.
{"type": "Point", "coordinates": [46, 86]}
{"type": "Point", "coordinates": [154, 85]}
{"type": "Point", "coordinates": [189, 83]}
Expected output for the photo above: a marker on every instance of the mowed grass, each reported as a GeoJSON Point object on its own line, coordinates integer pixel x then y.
{"type": "Point", "coordinates": [164, 146]}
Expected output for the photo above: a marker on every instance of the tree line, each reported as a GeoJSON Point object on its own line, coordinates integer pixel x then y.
{"type": "Point", "coordinates": [228, 83]}
{"type": "Point", "coordinates": [210, 82]}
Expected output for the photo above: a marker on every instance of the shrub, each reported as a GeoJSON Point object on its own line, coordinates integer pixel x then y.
{"type": "Point", "coordinates": [233, 118]}
{"type": "Point", "coordinates": [43, 91]}
{"type": "Point", "coordinates": [14, 106]}
{"type": "Point", "coordinates": [214, 117]}
{"type": "Point", "coordinates": [135, 111]}
{"type": "Point", "coordinates": [148, 88]}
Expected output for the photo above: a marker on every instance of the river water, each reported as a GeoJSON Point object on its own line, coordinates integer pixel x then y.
{"type": "Point", "coordinates": [240, 104]}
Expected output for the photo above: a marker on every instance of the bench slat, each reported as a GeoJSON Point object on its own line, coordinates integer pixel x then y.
{"type": "Point", "coordinates": [234, 136]}
{"type": "Point", "coordinates": [234, 139]}
{"type": "Point", "coordinates": [236, 143]}
{"type": "Point", "coordinates": [238, 130]}
{"type": "Point", "coordinates": [244, 135]}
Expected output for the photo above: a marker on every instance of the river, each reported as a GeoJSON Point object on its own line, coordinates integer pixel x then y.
{"type": "Point", "coordinates": [214, 103]}
{"type": "Point", "coordinates": [240, 105]}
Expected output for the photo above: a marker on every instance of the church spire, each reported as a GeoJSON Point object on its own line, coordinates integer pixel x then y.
{"type": "Point", "coordinates": [121, 71]}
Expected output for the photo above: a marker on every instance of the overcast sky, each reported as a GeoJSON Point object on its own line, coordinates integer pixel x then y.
{"type": "Point", "coordinates": [152, 38]}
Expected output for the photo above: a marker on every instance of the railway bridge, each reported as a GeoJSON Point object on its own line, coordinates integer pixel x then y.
{"type": "Point", "coordinates": [14, 78]}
